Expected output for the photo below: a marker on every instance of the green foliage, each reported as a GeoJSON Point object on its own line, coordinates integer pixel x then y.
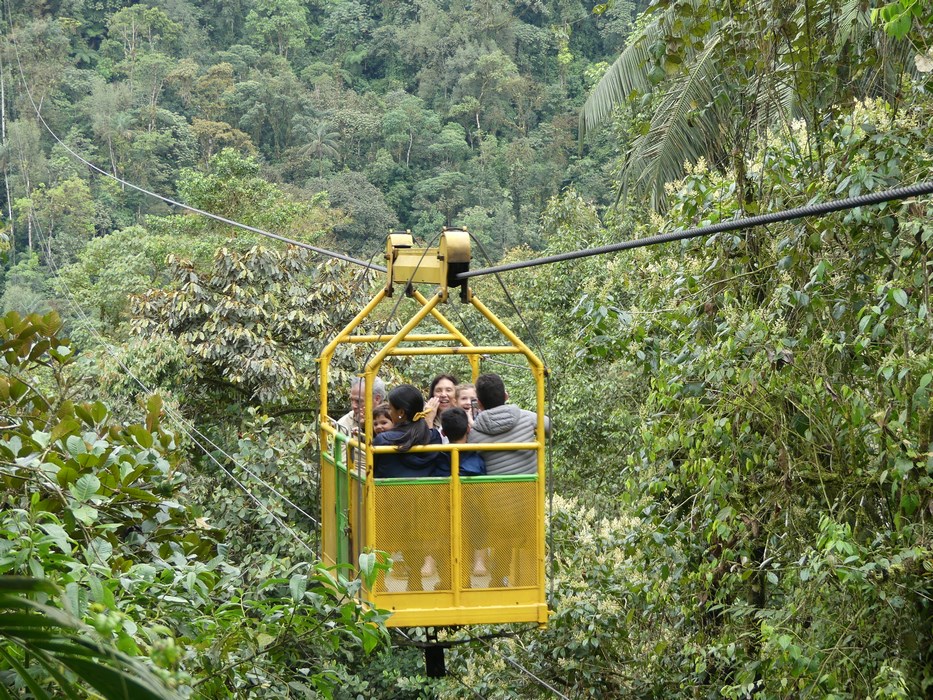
{"type": "Point", "coordinates": [746, 418]}
{"type": "Point", "coordinates": [232, 187]}
{"type": "Point", "coordinates": [109, 269]}
{"type": "Point", "coordinates": [780, 469]}
{"type": "Point", "coordinates": [33, 630]}
{"type": "Point", "coordinates": [369, 219]}
{"type": "Point", "coordinates": [280, 24]}
{"type": "Point", "coordinates": [898, 17]}
{"type": "Point", "coordinates": [99, 509]}
{"type": "Point", "coordinates": [714, 82]}
{"type": "Point", "coordinates": [254, 323]}
{"type": "Point", "coordinates": [63, 217]}
{"type": "Point", "coordinates": [26, 288]}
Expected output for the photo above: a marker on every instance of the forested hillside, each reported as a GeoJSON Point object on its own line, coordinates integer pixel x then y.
{"type": "Point", "coordinates": [743, 443]}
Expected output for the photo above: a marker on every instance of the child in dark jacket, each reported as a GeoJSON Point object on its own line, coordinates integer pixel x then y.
{"type": "Point", "coordinates": [456, 426]}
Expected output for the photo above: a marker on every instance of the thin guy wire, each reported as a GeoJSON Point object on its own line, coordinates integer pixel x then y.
{"type": "Point", "coordinates": [470, 688]}
{"type": "Point", "coordinates": [174, 415]}
{"type": "Point", "coordinates": [548, 395]}
{"type": "Point", "coordinates": [514, 663]}
{"type": "Point", "coordinates": [168, 200]}
{"type": "Point", "coordinates": [809, 210]}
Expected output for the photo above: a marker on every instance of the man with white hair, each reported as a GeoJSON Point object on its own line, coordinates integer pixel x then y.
{"type": "Point", "coordinates": [354, 418]}
{"type": "Point", "coordinates": [354, 421]}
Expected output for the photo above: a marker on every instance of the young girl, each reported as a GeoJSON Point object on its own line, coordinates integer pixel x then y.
{"type": "Point", "coordinates": [381, 420]}
{"type": "Point", "coordinates": [464, 396]}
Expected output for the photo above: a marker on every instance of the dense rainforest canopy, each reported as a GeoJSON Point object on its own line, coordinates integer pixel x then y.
{"type": "Point", "coordinates": [743, 443]}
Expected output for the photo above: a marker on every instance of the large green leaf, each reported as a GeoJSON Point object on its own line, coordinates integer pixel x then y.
{"type": "Point", "coordinates": [37, 633]}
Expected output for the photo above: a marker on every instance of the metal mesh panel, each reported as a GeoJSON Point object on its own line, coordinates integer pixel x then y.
{"type": "Point", "coordinates": [412, 523]}
{"type": "Point", "coordinates": [356, 523]}
{"type": "Point", "coordinates": [499, 534]}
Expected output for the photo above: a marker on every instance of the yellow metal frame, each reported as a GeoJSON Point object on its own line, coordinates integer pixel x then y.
{"type": "Point", "coordinates": [459, 606]}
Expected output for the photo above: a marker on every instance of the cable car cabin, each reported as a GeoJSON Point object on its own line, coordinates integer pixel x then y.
{"type": "Point", "coordinates": [448, 518]}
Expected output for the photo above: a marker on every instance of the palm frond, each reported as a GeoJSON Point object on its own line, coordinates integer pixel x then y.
{"type": "Point", "coordinates": [853, 19]}
{"type": "Point", "coordinates": [776, 102]}
{"type": "Point", "coordinates": [627, 74]}
{"type": "Point", "coordinates": [680, 131]}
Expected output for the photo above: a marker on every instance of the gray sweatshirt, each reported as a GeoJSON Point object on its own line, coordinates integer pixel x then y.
{"type": "Point", "coordinates": [507, 423]}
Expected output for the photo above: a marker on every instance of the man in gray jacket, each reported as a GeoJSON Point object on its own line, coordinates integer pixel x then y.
{"type": "Point", "coordinates": [502, 422]}
{"type": "Point", "coordinates": [505, 517]}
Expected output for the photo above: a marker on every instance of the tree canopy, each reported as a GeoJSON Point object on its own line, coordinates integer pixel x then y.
{"type": "Point", "coordinates": [742, 471]}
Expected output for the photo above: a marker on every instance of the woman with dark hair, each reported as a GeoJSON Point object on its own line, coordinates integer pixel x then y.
{"type": "Point", "coordinates": [442, 388]}
{"type": "Point", "coordinates": [407, 412]}
{"type": "Point", "coordinates": [403, 519]}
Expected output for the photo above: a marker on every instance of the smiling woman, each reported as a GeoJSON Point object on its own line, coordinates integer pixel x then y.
{"type": "Point", "coordinates": [443, 388]}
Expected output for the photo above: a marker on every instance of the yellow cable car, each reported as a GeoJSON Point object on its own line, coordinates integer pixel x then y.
{"type": "Point", "coordinates": [408, 518]}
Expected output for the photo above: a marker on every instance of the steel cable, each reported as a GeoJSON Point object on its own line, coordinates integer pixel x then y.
{"type": "Point", "coordinates": [808, 210]}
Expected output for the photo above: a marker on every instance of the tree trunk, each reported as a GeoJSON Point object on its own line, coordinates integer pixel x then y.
{"type": "Point", "coordinates": [6, 170]}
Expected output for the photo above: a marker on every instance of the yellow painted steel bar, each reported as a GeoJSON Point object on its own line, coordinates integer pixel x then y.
{"type": "Point", "coordinates": [451, 328]}
{"type": "Point", "coordinates": [328, 351]}
{"type": "Point", "coordinates": [369, 492]}
{"type": "Point", "coordinates": [449, 617]}
{"type": "Point", "coordinates": [456, 525]}
{"type": "Point", "coordinates": [474, 446]}
{"type": "Point", "coordinates": [376, 361]}
{"type": "Point", "coordinates": [469, 350]}
{"type": "Point", "coordinates": [537, 368]}
{"type": "Point", "coordinates": [503, 329]}
{"type": "Point", "coordinates": [324, 372]}
{"type": "Point", "coordinates": [413, 337]}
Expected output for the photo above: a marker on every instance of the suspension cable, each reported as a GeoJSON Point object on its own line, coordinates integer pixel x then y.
{"type": "Point", "coordinates": [512, 662]}
{"type": "Point", "coordinates": [808, 210]}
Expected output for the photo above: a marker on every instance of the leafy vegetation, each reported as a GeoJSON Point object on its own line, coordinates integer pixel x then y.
{"type": "Point", "coordinates": [98, 509]}
{"type": "Point", "coordinates": [743, 432]}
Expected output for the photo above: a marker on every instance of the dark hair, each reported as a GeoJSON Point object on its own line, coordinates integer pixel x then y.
{"type": "Point", "coordinates": [381, 411]}
{"type": "Point", "coordinates": [437, 380]}
{"type": "Point", "coordinates": [455, 423]}
{"type": "Point", "coordinates": [490, 390]}
{"type": "Point", "coordinates": [408, 400]}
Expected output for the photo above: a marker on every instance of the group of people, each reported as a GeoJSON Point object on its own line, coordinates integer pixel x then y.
{"type": "Point", "coordinates": [452, 413]}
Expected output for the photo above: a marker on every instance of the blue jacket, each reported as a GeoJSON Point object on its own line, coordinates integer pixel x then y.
{"type": "Point", "coordinates": [406, 465]}
{"type": "Point", "coordinates": [471, 464]}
